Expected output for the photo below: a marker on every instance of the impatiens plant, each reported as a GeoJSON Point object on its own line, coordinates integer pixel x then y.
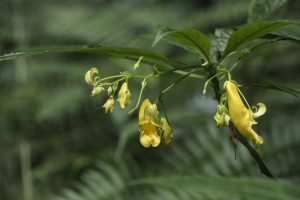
{"type": "Point", "coordinates": [219, 55]}
{"type": "Point", "coordinates": [217, 61]}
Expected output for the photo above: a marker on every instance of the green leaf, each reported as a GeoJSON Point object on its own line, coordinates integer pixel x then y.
{"type": "Point", "coordinates": [104, 182]}
{"type": "Point", "coordinates": [226, 188]}
{"type": "Point", "coordinates": [261, 9]}
{"type": "Point", "coordinates": [149, 57]}
{"type": "Point", "coordinates": [274, 86]}
{"type": "Point", "coordinates": [252, 31]}
{"type": "Point", "coordinates": [290, 32]}
{"type": "Point", "coordinates": [189, 39]}
{"type": "Point", "coordinates": [119, 52]}
{"type": "Point", "coordinates": [221, 38]}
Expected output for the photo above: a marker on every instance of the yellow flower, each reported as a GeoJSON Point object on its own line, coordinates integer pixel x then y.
{"type": "Point", "coordinates": [91, 76]}
{"type": "Point", "coordinates": [167, 131]}
{"type": "Point", "coordinates": [241, 116]}
{"type": "Point", "coordinates": [148, 126]}
{"type": "Point", "coordinates": [109, 104]}
{"type": "Point", "coordinates": [124, 95]}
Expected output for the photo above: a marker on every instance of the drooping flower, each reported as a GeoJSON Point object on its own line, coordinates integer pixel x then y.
{"type": "Point", "coordinates": [124, 95]}
{"type": "Point", "coordinates": [241, 116]}
{"type": "Point", "coordinates": [166, 131]}
{"type": "Point", "coordinates": [109, 104]}
{"type": "Point", "coordinates": [148, 126]}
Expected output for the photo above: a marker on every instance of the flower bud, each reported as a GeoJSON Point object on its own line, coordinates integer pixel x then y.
{"type": "Point", "coordinates": [222, 117]}
{"type": "Point", "coordinates": [109, 91]}
{"type": "Point", "coordinates": [124, 95]}
{"type": "Point", "coordinates": [167, 131]}
{"type": "Point", "coordinates": [109, 104]}
{"type": "Point", "coordinates": [97, 90]}
{"type": "Point", "coordinates": [91, 76]}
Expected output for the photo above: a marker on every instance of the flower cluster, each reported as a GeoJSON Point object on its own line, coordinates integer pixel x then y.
{"type": "Point", "coordinates": [232, 108]}
{"type": "Point", "coordinates": [151, 127]}
{"type": "Point", "coordinates": [93, 79]}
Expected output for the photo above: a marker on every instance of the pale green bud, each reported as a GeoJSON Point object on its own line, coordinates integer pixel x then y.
{"type": "Point", "coordinates": [109, 104]}
{"type": "Point", "coordinates": [124, 95]}
{"type": "Point", "coordinates": [109, 91]}
{"type": "Point", "coordinates": [167, 131]}
{"type": "Point", "coordinates": [137, 64]}
{"type": "Point", "coordinates": [97, 90]}
{"type": "Point", "coordinates": [222, 117]}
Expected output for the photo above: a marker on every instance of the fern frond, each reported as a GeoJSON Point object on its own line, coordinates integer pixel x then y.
{"type": "Point", "coordinates": [104, 182]}
{"type": "Point", "coordinates": [208, 151]}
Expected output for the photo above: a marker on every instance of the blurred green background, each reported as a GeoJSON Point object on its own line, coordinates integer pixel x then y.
{"type": "Point", "coordinates": [56, 142]}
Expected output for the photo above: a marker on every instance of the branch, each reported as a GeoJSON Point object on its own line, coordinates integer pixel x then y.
{"type": "Point", "coordinates": [262, 166]}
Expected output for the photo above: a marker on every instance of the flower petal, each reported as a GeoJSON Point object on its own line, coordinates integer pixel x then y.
{"type": "Point", "coordinates": [149, 139]}
{"type": "Point", "coordinates": [155, 139]}
{"type": "Point", "coordinates": [145, 140]}
{"type": "Point", "coordinates": [151, 112]}
{"type": "Point", "coordinates": [145, 103]}
{"type": "Point", "coordinates": [90, 75]}
{"type": "Point", "coordinates": [261, 110]}
{"type": "Point", "coordinates": [256, 139]}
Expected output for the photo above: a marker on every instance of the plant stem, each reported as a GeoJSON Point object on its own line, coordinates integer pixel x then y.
{"type": "Point", "coordinates": [173, 84]}
{"type": "Point", "coordinates": [111, 77]}
{"type": "Point", "coordinates": [160, 99]}
{"type": "Point", "coordinates": [143, 85]}
{"type": "Point", "coordinates": [183, 68]}
{"type": "Point", "coordinates": [263, 168]}
{"type": "Point", "coordinates": [215, 82]}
